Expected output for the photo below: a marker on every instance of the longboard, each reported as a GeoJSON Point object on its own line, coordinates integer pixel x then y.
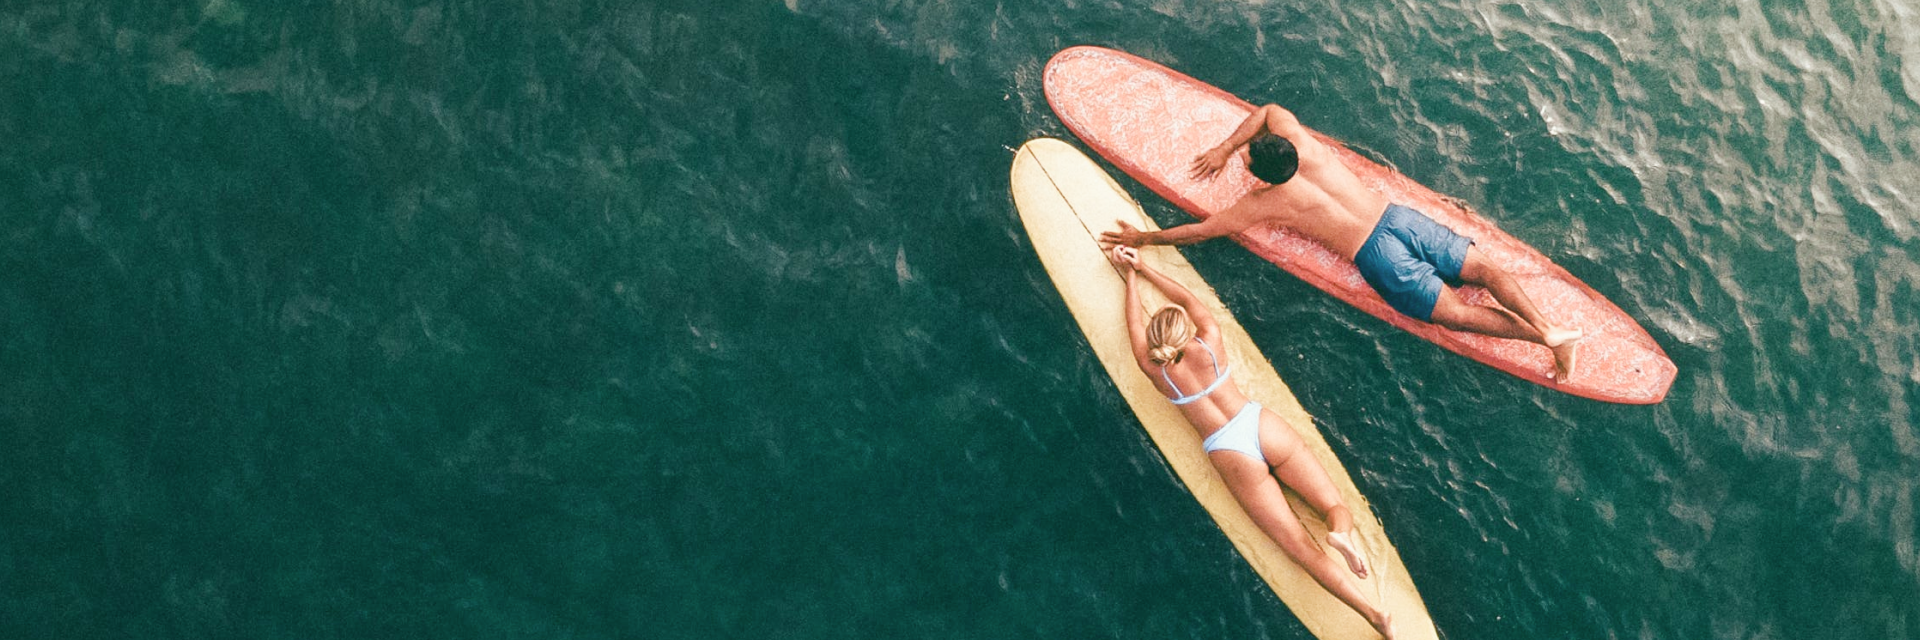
{"type": "Point", "coordinates": [1150, 122]}
{"type": "Point", "coordinates": [1065, 200]}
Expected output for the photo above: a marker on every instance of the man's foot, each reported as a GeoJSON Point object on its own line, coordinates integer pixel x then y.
{"type": "Point", "coordinates": [1341, 543]}
{"type": "Point", "coordinates": [1565, 344]}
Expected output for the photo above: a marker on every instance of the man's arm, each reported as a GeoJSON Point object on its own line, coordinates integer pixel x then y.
{"type": "Point", "coordinates": [1220, 224]}
{"type": "Point", "coordinates": [1269, 118]}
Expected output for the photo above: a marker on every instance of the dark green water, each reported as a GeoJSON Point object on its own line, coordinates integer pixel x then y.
{"type": "Point", "coordinates": [674, 320]}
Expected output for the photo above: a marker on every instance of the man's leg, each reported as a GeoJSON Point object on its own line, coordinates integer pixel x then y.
{"type": "Point", "coordinates": [1461, 316]}
{"type": "Point", "coordinates": [1457, 314]}
{"type": "Point", "coordinates": [1478, 270]}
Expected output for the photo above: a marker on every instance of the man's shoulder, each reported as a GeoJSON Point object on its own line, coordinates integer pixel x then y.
{"type": "Point", "coordinates": [1265, 200]}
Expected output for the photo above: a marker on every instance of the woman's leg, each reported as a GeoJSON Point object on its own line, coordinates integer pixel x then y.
{"type": "Point", "coordinates": [1259, 493]}
{"type": "Point", "coordinates": [1296, 469]}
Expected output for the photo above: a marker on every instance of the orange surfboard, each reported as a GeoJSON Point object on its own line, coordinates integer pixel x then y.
{"type": "Point", "coordinates": [1150, 122]}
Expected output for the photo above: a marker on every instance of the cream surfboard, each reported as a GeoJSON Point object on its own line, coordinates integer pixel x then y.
{"type": "Point", "coordinates": [1065, 200]}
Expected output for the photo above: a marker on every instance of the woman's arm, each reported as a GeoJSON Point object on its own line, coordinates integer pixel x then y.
{"type": "Point", "coordinates": [1136, 323]}
{"type": "Point", "coordinates": [1129, 263]}
{"type": "Point", "coordinates": [1203, 321]}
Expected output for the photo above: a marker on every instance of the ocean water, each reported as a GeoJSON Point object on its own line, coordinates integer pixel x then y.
{"type": "Point", "coordinates": [668, 319]}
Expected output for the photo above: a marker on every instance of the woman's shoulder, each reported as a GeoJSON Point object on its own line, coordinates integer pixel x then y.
{"type": "Point", "coordinates": [1211, 333]}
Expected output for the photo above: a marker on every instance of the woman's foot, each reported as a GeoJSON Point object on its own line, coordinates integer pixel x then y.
{"type": "Point", "coordinates": [1384, 625]}
{"type": "Point", "coordinates": [1343, 544]}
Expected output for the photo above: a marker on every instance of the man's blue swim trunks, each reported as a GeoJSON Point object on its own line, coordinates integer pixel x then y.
{"type": "Point", "coordinates": [1408, 256]}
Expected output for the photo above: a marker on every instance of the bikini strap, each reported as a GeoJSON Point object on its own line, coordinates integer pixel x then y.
{"type": "Point", "coordinates": [1170, 384]}
{"type": "Point", "coordinates": [1210, 354]}
{"type": "Point", "coordinates": [1218, 377]}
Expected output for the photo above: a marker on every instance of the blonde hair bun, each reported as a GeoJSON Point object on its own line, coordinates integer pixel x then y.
{"type": "Point", "coordinates": [1167, 334]}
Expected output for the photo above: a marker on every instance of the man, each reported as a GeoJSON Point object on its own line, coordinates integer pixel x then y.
{"type": "Point", "coordinates": [1410, 260]}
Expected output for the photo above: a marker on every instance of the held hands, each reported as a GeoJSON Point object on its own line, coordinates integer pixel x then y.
{"type": "Point", "coordinates": [1125, 257]}
{"type": "Point", "coordinates": [1126, 236]}
{"type": "Point", "coordinates": [1207, 165]}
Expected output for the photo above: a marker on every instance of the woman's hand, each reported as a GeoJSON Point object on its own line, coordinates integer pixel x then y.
{"type": "Point", "coordinates": [1128, 258]}
{"type": "Point", "coordinates": [1207, 165]}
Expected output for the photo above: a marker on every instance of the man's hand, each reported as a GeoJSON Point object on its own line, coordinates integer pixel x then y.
{"type": "Point", "coordinates": [1207, 165]}
{"type": "Point", "coordinates": [1127, 235]}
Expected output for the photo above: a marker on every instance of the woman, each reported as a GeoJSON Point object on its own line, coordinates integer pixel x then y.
{"type": "Point", "coordinates": [1256, 452]}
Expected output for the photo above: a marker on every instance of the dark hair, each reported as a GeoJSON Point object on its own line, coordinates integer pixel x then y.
{"type": "Point", "coordinates": [1273, 159]}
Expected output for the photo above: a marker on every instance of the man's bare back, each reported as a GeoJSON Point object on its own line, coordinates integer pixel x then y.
{"type": "Point", "coordinates": [1306, 207]}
